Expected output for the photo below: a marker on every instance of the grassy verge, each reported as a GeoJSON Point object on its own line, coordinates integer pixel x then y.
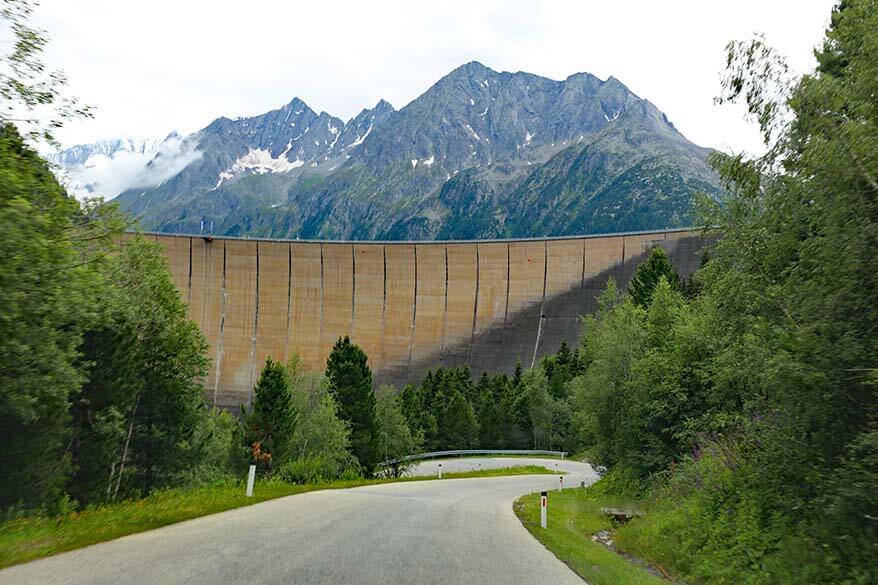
{"type": "Point", "coordinates": [31, 538]}
{"type": "Point", "coordinates": [574, 515]}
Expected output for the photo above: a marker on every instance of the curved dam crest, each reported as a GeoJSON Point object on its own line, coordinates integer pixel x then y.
{"type": "Point", "coordinates": [412, 306]}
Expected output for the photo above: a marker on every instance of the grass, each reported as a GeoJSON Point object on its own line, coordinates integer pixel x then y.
{"type": "Point", "coordinates": [31, 538]}
{"type": "Point", "coordinates": [573, 517]}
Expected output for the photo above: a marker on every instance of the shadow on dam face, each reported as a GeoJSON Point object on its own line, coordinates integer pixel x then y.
{"type": "Point", "coordinates": [412, 306]}
{"type": "Point", "coordinates": [539, 328]}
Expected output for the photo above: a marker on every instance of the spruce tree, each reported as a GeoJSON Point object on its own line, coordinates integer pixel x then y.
{"type": "Point", "coordinates": [563, 356]}
{"type": "Point", "coordinates": [516, 377]}
{"type": "Point", "coordinates": [350, 380]}
{"type": "Point", "coordinates": [396, 438]}
{"type": "Point", "coordinates": [271, 423]}
{"type": "Point", "coordinates": [460, 429]}
{"type": "Point", "coordinates": [489, 430]}
{"type": "Point", "coordinates": [648, 274]}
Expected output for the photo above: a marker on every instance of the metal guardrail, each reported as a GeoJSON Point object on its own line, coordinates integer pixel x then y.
{"type": "Point", "coordinates": [460, 452]}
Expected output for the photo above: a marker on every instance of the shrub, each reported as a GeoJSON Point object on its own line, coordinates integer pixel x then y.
{"type": "Point", "coordinates": [316, 469]}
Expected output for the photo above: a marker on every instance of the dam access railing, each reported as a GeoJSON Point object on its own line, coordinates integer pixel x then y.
{"type": "Point", "coordinates": [469, 452]}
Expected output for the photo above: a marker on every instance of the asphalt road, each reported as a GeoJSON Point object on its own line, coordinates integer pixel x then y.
{"type": "Point", "coordinates": [444, 532]}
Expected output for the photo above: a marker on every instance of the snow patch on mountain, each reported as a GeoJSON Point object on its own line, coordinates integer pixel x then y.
{"type": "Point", "coordinates": [260, 161]}
{"type": "Point", "coordinates": [360, 139]}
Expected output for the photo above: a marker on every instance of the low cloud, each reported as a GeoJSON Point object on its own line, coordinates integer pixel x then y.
{"type": "Point", "coordinates": [107, 176]}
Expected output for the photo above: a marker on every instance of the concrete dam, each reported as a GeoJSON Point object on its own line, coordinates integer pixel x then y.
{"type": "Point", "coordinates": [412, 306]}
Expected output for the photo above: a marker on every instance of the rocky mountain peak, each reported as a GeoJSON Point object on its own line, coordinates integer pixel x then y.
{"type": "Point", "coordinates": [480, 153]}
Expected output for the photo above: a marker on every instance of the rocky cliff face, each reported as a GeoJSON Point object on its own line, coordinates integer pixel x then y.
{"type": "Point", "coordinates": [480, 154]}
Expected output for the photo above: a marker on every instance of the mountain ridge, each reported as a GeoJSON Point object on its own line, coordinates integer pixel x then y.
{"type": "Point", "coordinates": [479, 154]}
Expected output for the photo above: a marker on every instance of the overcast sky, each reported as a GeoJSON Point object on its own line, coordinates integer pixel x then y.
{"type": "Point", "coordinates": [153, 66]}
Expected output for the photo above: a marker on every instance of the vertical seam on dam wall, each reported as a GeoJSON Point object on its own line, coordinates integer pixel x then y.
{"type": "Point", "coordinates": [322, 300]}
{"type": "Point", "coordinates": [582, 280]}
{"type": "Point", "coordinates": [383, 301]}
{"type": "Point", "coordinates": [495, 341]}
{"type": "Point", "coordinates": [289, 300]}
{"type": "Point", "coordinates": [542, 316]}
{"type": "Point", "coordinates": [255, 333]}
{"type": "Point", "coordinates": [414, 311]}
{"type": "Point", "coordinates": [189, 282]}
{"type": "Point", "coordinates": [445, 309]}
{"type": "Point", "coordinates": [472, 338]}
{"type": "Point", "coordinates": [353, 289]}
{"type": "Point", "coordinates": [508, 278]}
{"type": "Point", "coordinates": [219, 343]}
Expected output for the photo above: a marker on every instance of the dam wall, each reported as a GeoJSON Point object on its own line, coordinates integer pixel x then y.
{"type": "Point", "coordinates": [412, 306]}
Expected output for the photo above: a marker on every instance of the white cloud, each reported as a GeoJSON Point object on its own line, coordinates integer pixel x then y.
{"type": "Point", "coordinates": [108, 176]}
{"type": "Point", "coordinates": [154, 66]}
{"type": "Point", "coordinates": [174, 155]}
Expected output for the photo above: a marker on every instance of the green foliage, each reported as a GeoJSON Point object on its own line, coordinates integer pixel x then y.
{"type": "Point", "coordinates": [574, 515]}
{"type": "Point", "coordinates": [45, 297]}
{"type": "Point", "coordinates": [98, 362]}
{"type": "Point", "coordinates": [450, 412]}
{"type": "Point", "coordinates": [644, 281]}
{"type": "Point", "coordinates": [218, 450]}
{"type": "Point", "coordinates": [395, 438]}
{"type": "Point", "coordinates": [750, 408]}
{"type": "Point", "coordinates": [350, 381]}
{"type": "Point", "coordinates": [320, 445]}
{"type": "Point", "coordinates": [850, 500]}
{"type": "Point", "coordinates": [613, 340]}
{"type": "Point", "coordinates": [535, 404]}
{"type": "Point", "coordinates": [494, 412]}
{"type": "Point", "coordinates": [560, 369]}
{"type": "Point", "coordinates": [459, 424]}
{"type": "Point", "coordinates": [31, 95]}
{"type": "Point", "coordinates": [315, 469]}
{"type": "Point", "coordinates": [135, 417]}
{"type": "Point", "coordinates": [271, 422]}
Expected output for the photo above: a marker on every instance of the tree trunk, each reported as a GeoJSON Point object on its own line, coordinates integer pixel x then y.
{"type": "Point", "coordinates": [125, 449]}
{"type": "Point", "coordinates": [110, 480]}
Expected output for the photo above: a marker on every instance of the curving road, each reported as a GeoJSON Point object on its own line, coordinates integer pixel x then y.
{"type": "Point", "coordinates": [450, 531]}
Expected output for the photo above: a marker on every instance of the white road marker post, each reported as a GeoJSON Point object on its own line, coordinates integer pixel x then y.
{"type": "Point", "coordinates": [544, 504]}
{"type": "Point", "coordinates": [440, 471]}
{"type": "Point", "coordinates": [251, 478]}
{"type": "Point", "coordinates": [560, 482]}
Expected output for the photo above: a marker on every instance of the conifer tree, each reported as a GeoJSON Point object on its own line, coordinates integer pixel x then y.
{"type": "Point", "coordinates": [271, 423]}
{"type": "Point", "coordinates": [350, 380]}
{"type": "Point", "coordinates": [516, 377]}
{"type": "Point", "coordinates": [647, 277]}
{"type": "Point", "coordinates": [460, 428]}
